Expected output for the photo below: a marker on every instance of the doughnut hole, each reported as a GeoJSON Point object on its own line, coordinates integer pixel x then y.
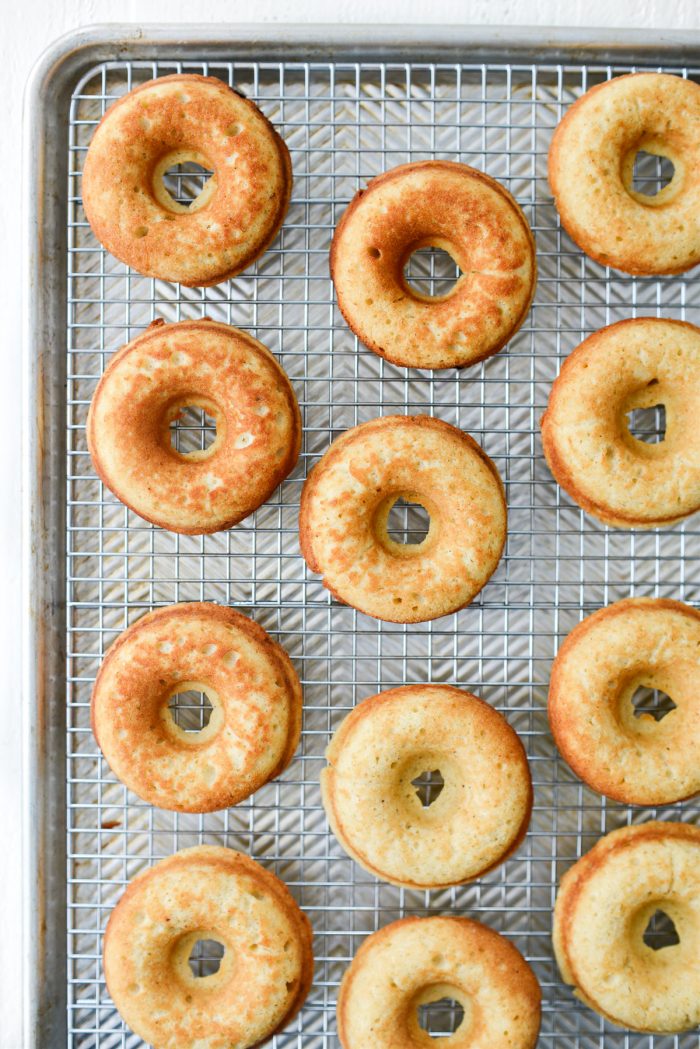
{"type": "Point", "coordinates": [183, 182]}
{"type": "Point", "coordinates": [650, 174]}
{"type": "Point", "coordinates": [206, 957]}
{"type": "Point", "coordinates": [429, 787]}
{"type": "Point", "coordinates": [192, 713]}
{"type": "Point", "coordinates": [648, 424]}
{"type": "Point", "coordinates": [431, 272]}
{"type": "Point", "coordinates": [193, 428]}
{"type": "Point", "coordinates": [441, 1011]}
{"type": "Point", "coordinates": [644, 419]}
{"type": "Point", "coordinates": [442, 1018]}
{"type": "Point", "coordinates": [201, 960]}
{"type": "Point", "coordinates": [644, 703]}
{"type": "Point", "coordinates": [408, 522]}
{"type": "Point", "coordinates": [190, 710]}
{"type": "Point", "coordinates": [659, 924]}
{"type": "Point", "coordinates": [429, 784]}
{"type": "Point", "coordinates": [651, 703]}
{"type": "Point", "coordinates": [660, 931]}
{"type": "Point", "coordinates": [405, 524]}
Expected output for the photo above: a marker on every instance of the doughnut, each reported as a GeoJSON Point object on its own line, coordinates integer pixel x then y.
{"type": "Point", "coordinates": [609, 473]}
{"type": "Point", "coordinates": [415, 961]}
{"type": "Point", "coordinates": [146, 386]}
{"type": "Point", "coordinates": [591, 168]}
{"type": "Point", "coordinates": [207, 893]}
{"type": "Point", "coordinates": [253, 689]}
{"type": "Point", "coordinates": [437, 204]}
{"type": "Point", "coordinates": [175, 120]}
{"type": "Point", "coordinates": [389, 741]}
{"type": "Point", "coordinates": [603, 907]}
{"type": "Point", "coordinates": [345, 506]}
{"type": "Point", "coordinates": [604, 660]}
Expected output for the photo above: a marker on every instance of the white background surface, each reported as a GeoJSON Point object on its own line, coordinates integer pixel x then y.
{"type": "Point", "coordinates": [28, 27]}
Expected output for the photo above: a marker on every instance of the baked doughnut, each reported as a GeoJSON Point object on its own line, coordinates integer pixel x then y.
{"type": "Point", "coordinates": [438, 204]}
{"type": "Point", "coordinates": [145, 387]}
{"type": "Point", "coordinates": [603, 907]}
{"type": "Point", "coordinates": [345, 506]}
{"type": "Point", "coordinates": [253, 689]}
{"type": "Point", "coordinates": [604, 660]}
{"type": "Point", "coordinates": [416, 961]}
{"type": "Point", "coordinates": [621, 480]}
{"type": "Point", "coordinates": [175, 120]}
{"type": "Point", "coordinates": [591, 167]}
{"type": "Point", "coordinates": [385, 745]}
{"type": "Point", "coordinates": [207, 893]}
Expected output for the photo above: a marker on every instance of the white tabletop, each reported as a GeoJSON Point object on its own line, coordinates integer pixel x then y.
{"type": "Point", "coordinates": [29, 26]}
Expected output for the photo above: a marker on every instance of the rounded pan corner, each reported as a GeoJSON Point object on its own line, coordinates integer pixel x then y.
{"type": "Point", "coordinates": [56, 66]}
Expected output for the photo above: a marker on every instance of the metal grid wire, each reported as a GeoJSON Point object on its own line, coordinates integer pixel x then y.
{"type": "Point", "coordinates": [345, 123]}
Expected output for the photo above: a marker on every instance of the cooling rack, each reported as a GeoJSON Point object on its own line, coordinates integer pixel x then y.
{"type": "Point", "coordinates": [347, 112]}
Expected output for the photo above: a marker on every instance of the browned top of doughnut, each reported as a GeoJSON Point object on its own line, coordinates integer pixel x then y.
{"type": "Point", "coordinates": [172, 120]}
{"type": "Point", "coordinates": [446, 205]}
{"type": "Point", "coordinates": [208, 365]}
{"type": "Point", "coordinates": [254, 691]}
{"type": "Point", "coordinates": [207, 892]}
{"type": "Point", "coordinates": [347, 498]}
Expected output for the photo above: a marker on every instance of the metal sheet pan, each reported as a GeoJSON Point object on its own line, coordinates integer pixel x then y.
{"type": "Point", "coordinates": [350, 103]}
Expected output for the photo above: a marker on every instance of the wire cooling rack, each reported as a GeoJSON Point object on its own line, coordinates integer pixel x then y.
{"type": "Point", "coordinates": [345, 123]}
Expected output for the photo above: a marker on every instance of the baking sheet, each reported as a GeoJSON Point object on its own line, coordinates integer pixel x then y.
{"type": "Point", "coordinates": [346, 114]}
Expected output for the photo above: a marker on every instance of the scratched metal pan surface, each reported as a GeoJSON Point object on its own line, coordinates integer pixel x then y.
{"type": "Point", "coordinates": [349, 107]}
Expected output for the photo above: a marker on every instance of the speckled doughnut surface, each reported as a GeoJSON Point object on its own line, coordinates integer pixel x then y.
{"type": "Point", "coordinates": [347, 499]}
{"type": "Point", "coordinates": [591, 165]}
{"type": "Point", "coordinates": [479, 817]}
{"type": "Point", "coordinates": [209, 893]}
{"type": "Point", "coordinates": [604, 660]}
{"type": "Point", "coordinates": [602, 910]}
{"type": "Point", "coordinates": [439, 204]}
{"type": "Point", "coordinates": [206, 365]}
{"type": "Point", "coordinates": [611, 474]}
{"type": "Point", "coordinates": [415, 961]}
{"type": "Point", "coordinates": [169, 121]}
{"type": "Point", "coordinates": [253, 689]}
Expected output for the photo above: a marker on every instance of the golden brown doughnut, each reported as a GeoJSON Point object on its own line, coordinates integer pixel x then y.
{"type": "Point", "coordinates": [611, 474]}
{"type": "Point", "coordinates": [387, 742]}
{"type": "Point", "coordinates": [591, 165]}
{"type": "Point", "coordinates": [439, 204]}
{"type": "Point", "coordinates": [173, 120]}
{"type": "Point", "coordinates": [603, 907]}
{"type": "Point", "coordinates": [250, 682]}
{"type": "Point", "coordinates": [206, 365]}
{"type": "Point", "coordinates": [416, 961]}
{"type": "Point", "coordinates": [345, 505]}
{"type": "Point", "coordinates": [207, 893]}
{"type": "Point", "coordinates": [604, 660]}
